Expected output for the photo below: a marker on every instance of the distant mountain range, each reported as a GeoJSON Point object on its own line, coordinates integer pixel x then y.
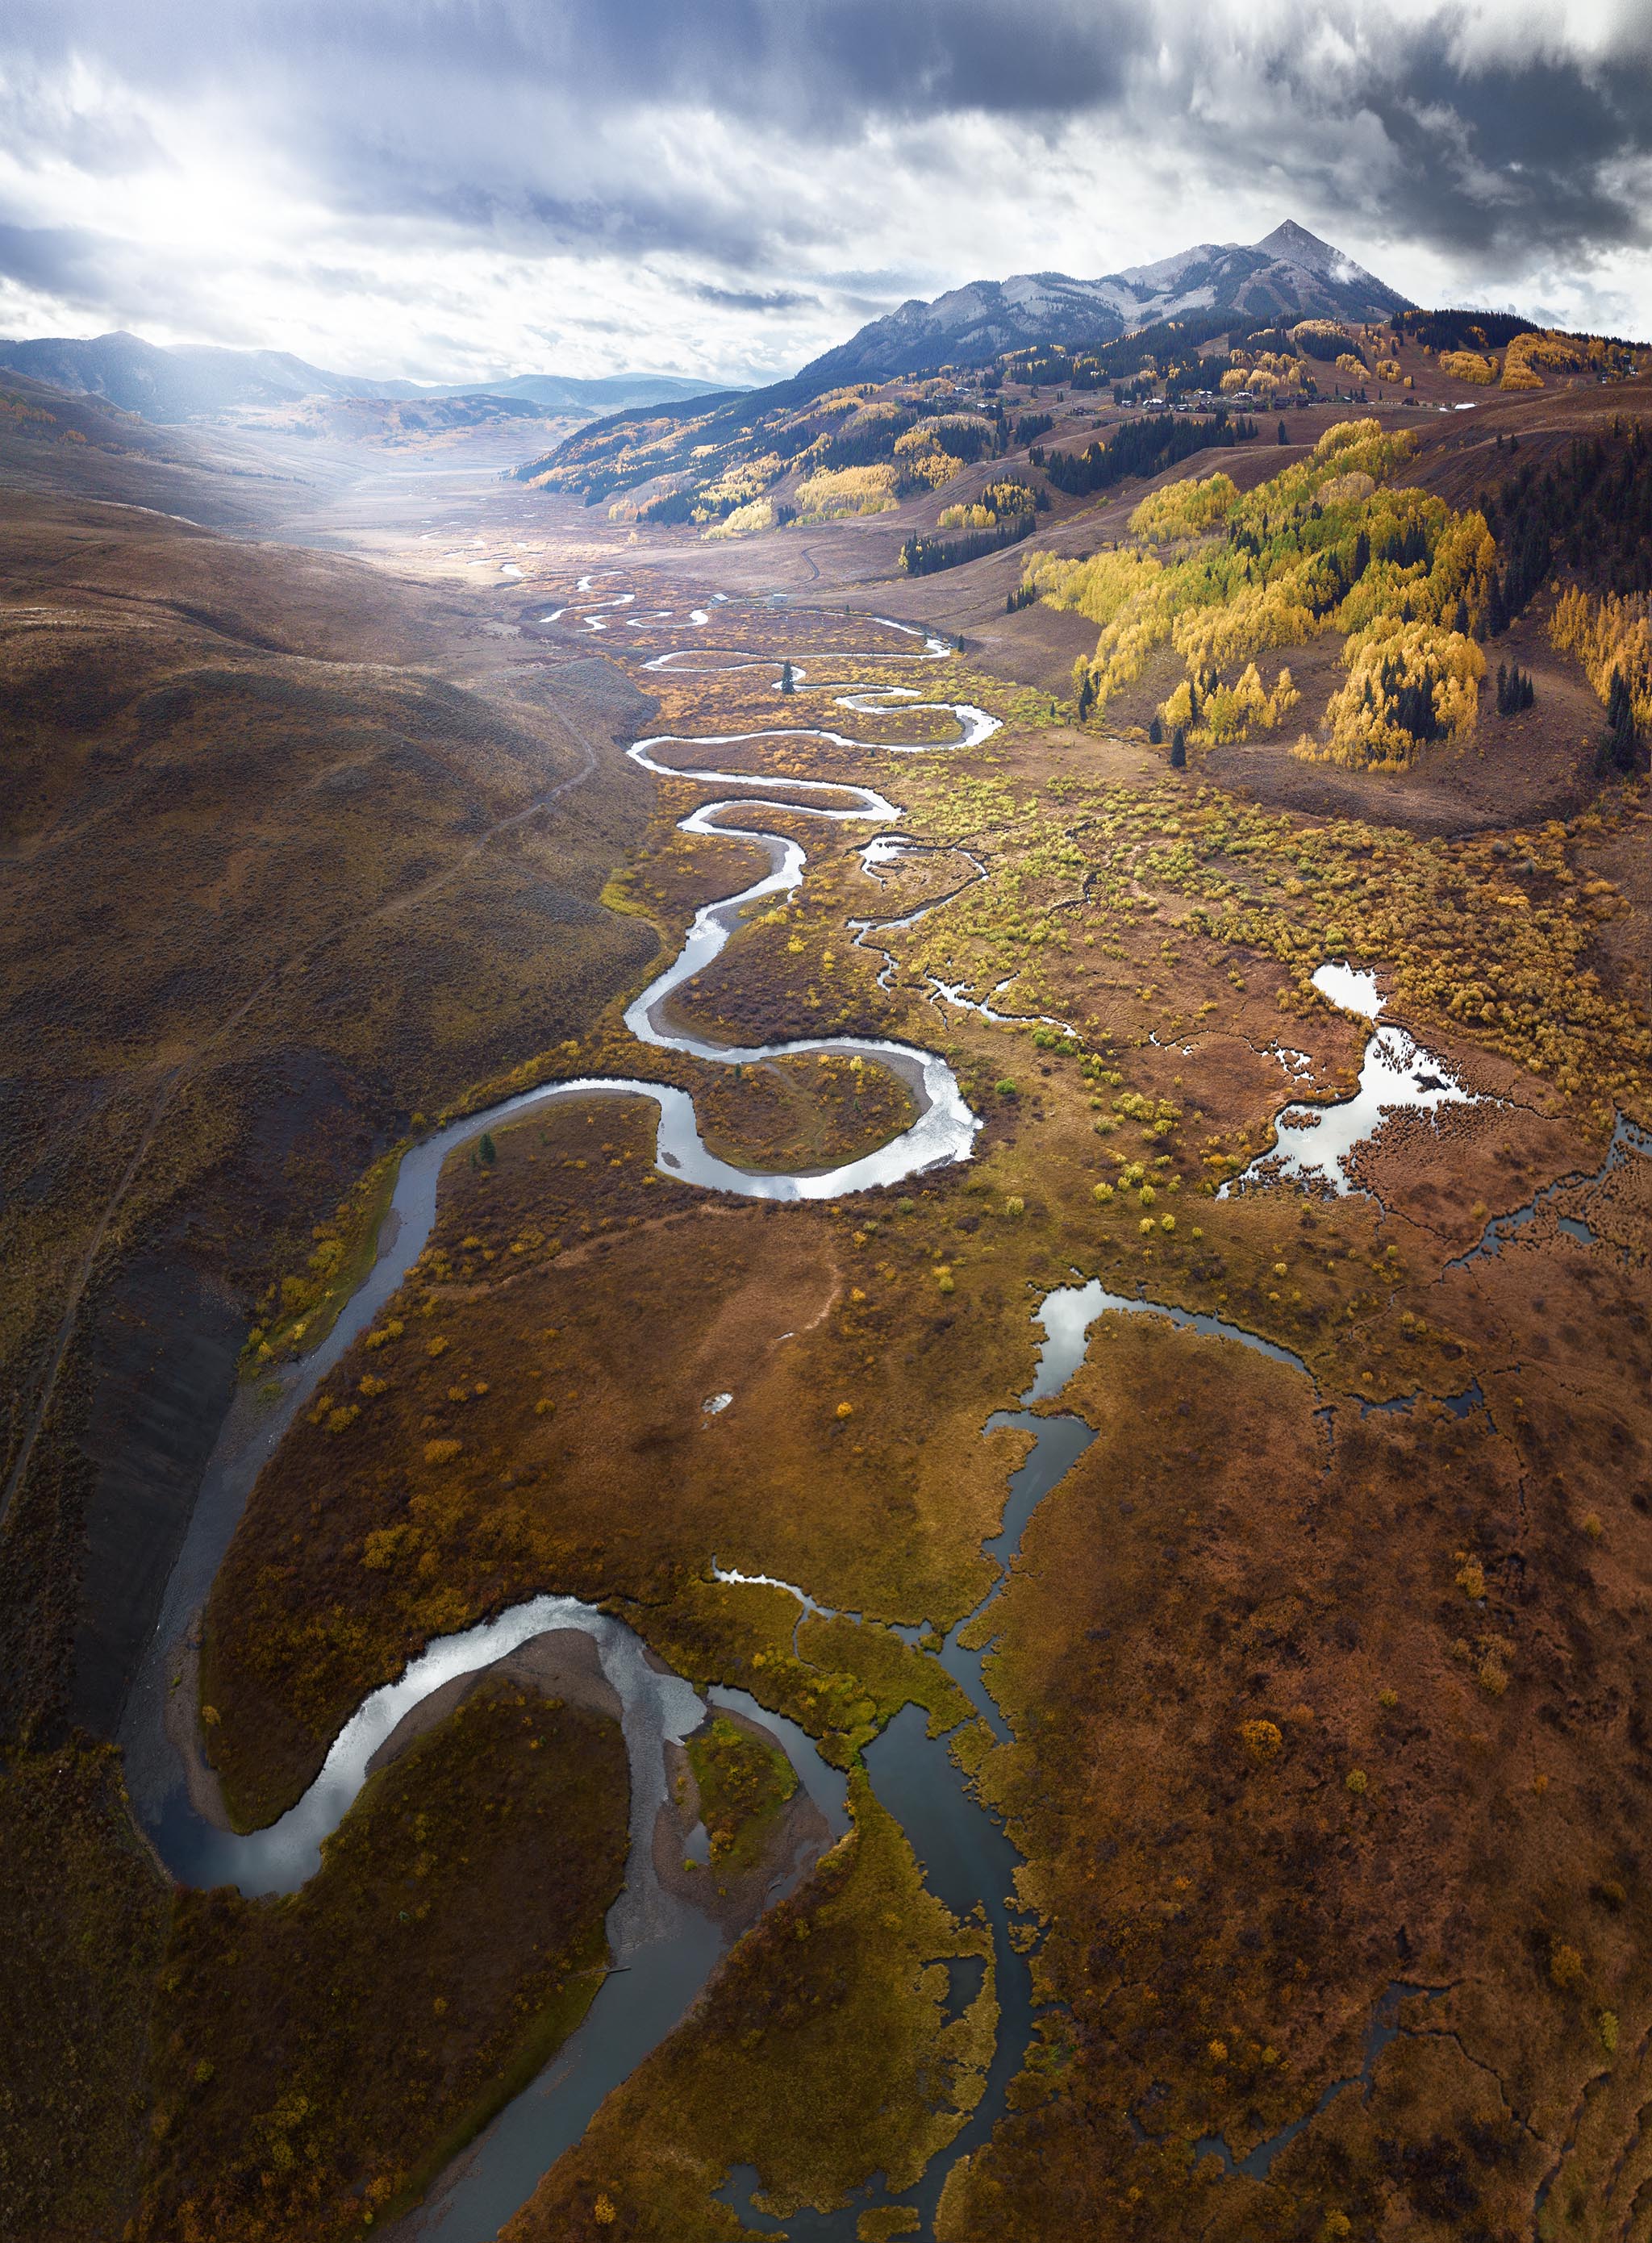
{"type": "Point", "coordinates": [190, 379]}
{"type": "Point", "coordinates": [1290, 275]}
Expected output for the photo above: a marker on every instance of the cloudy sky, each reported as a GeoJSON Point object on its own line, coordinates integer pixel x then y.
{"type": "Point", "coordinates": [449, 188]}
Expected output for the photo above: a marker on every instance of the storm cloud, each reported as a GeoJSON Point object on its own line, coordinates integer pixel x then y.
{"type": "Point", "coordinates": [445, 187]}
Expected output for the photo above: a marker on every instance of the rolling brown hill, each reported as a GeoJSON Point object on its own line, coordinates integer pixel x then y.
{"type": "Point", "coordinates": [290, 850]}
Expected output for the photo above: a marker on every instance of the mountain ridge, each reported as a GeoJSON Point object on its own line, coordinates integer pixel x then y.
{"type": "Point", "coordinates": [1290, 272]}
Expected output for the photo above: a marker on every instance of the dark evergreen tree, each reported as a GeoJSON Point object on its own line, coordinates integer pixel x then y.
{"type": "Point", "coordinates": [1179, 750]}
{"type": "Point", "coordinates": [1625, 743]}
{"type": "Point", "coordinates": [1283, 437]}
{"type": "Point", "coordinates": [786, 684]}
{"type": "Point", "coordinates": [1589, 510]}
{"type": "Point", "coordinates": [1496, 609]}
{"type": "Point", "coordinates": [1622, 734]}
{"type": "Point", "coordinates": [1139, 448]}
{"type": "Point", "coordinates": [488, 1151]}
{"type": "Point", "coordinates": [921, 556]}
{"type": "Point", "coordinates": [1515, 691]}
{"type": "Point", "coordinates": [677, 505]}
{"type": "Point", "coordinates": [1155, 730]}
{"type": "Point", "coordinates": [1528, 567]}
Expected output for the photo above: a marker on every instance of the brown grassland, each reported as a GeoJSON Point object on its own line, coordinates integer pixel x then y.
{"type": "Point", "coordinates": [232, 979]}
{"type": "Point", "coordinates": [1172, 925]}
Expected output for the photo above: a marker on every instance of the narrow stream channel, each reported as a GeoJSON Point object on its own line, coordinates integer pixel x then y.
{"type": "Point", "coordinates": [1627, 1141]}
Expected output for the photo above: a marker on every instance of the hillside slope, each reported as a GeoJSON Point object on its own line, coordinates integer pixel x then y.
{"type": "Point", "coordinates": [231, 978]}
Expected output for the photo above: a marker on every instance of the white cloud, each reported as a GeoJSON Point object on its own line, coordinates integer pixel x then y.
{"type": "Point", "coordinates": [704, 185]}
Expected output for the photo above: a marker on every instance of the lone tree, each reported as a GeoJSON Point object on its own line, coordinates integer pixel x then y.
{"type": "Point", "coordinates": [486, 1151]}
{"type": "Point", "coordinates": [1179, 750]}
{"type": "Point", "coordinates": [1622, 734]}
{"type": "Point", "coordinates": [1155, 729]}
{"type": "Point", "coordinates": [787, 682]}
{"type": "Point", "coordinates": [1284, 438]}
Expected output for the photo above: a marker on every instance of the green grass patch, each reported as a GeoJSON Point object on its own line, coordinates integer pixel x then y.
{"type": "Point", "coordinates": [742, 1784]}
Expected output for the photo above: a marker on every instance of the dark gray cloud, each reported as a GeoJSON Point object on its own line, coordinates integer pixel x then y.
{"type": "Point", "coordinates": [1506, 160]}
{"type": "Point", "coordinates": [754, 300]}
{"type": "Point", "coordinates": [1550, 128]}
{"type": "Point", "coordinates": [809, 65]}
{"type": "Point", "coordinates": [68, 262]}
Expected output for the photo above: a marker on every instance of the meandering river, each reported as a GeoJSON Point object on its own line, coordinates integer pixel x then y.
{"type": "Point", "coordinates": [665, 1950]}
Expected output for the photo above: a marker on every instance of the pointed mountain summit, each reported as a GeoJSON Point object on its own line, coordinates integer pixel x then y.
{"type": "Point", "coordinates": [1289, 275]}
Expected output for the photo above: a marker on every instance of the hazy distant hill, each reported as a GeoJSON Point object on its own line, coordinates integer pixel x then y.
{"type": "Point", "coordinates": [558, 393]}
{"type": "Point", "coordinates": [192, 379]}
{"type": "Point", "coordinates": [1291, 272]}
{"type": "Point", "coordinates": [81, 447]}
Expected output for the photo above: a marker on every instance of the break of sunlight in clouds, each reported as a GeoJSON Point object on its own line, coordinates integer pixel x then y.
{"type": "Point", "coordinates": [725, 187]}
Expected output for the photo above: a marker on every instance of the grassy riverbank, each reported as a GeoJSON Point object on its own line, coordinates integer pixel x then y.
{"type": "Point", "coordinates": [452, 1939]}
{"type": "Point", "coordinates": [823, 2050]}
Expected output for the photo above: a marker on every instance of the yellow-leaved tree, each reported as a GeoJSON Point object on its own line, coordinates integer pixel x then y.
{"type": "Point", "coordinates": [1408, 682]}
{"type": "Point", "coordinates": [1469, 366]}
{"type": "Point", "coordinates": [1526, 353]}
{"type": "Point", "coordinates": [1185, 510]}
{"type": "Point", "coordinates": [836, 491]}
{"type": "Point", "coordinates": [1609, 636]}
{"type": "Point", "coordinates": [1223, 714]}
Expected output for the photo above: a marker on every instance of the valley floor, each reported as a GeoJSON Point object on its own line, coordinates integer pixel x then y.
{"type": "Point", "coordinates": [1248, 1844]}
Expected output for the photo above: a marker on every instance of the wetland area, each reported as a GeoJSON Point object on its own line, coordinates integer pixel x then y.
{"type": "Point", "coordinates": [922, 1537]}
